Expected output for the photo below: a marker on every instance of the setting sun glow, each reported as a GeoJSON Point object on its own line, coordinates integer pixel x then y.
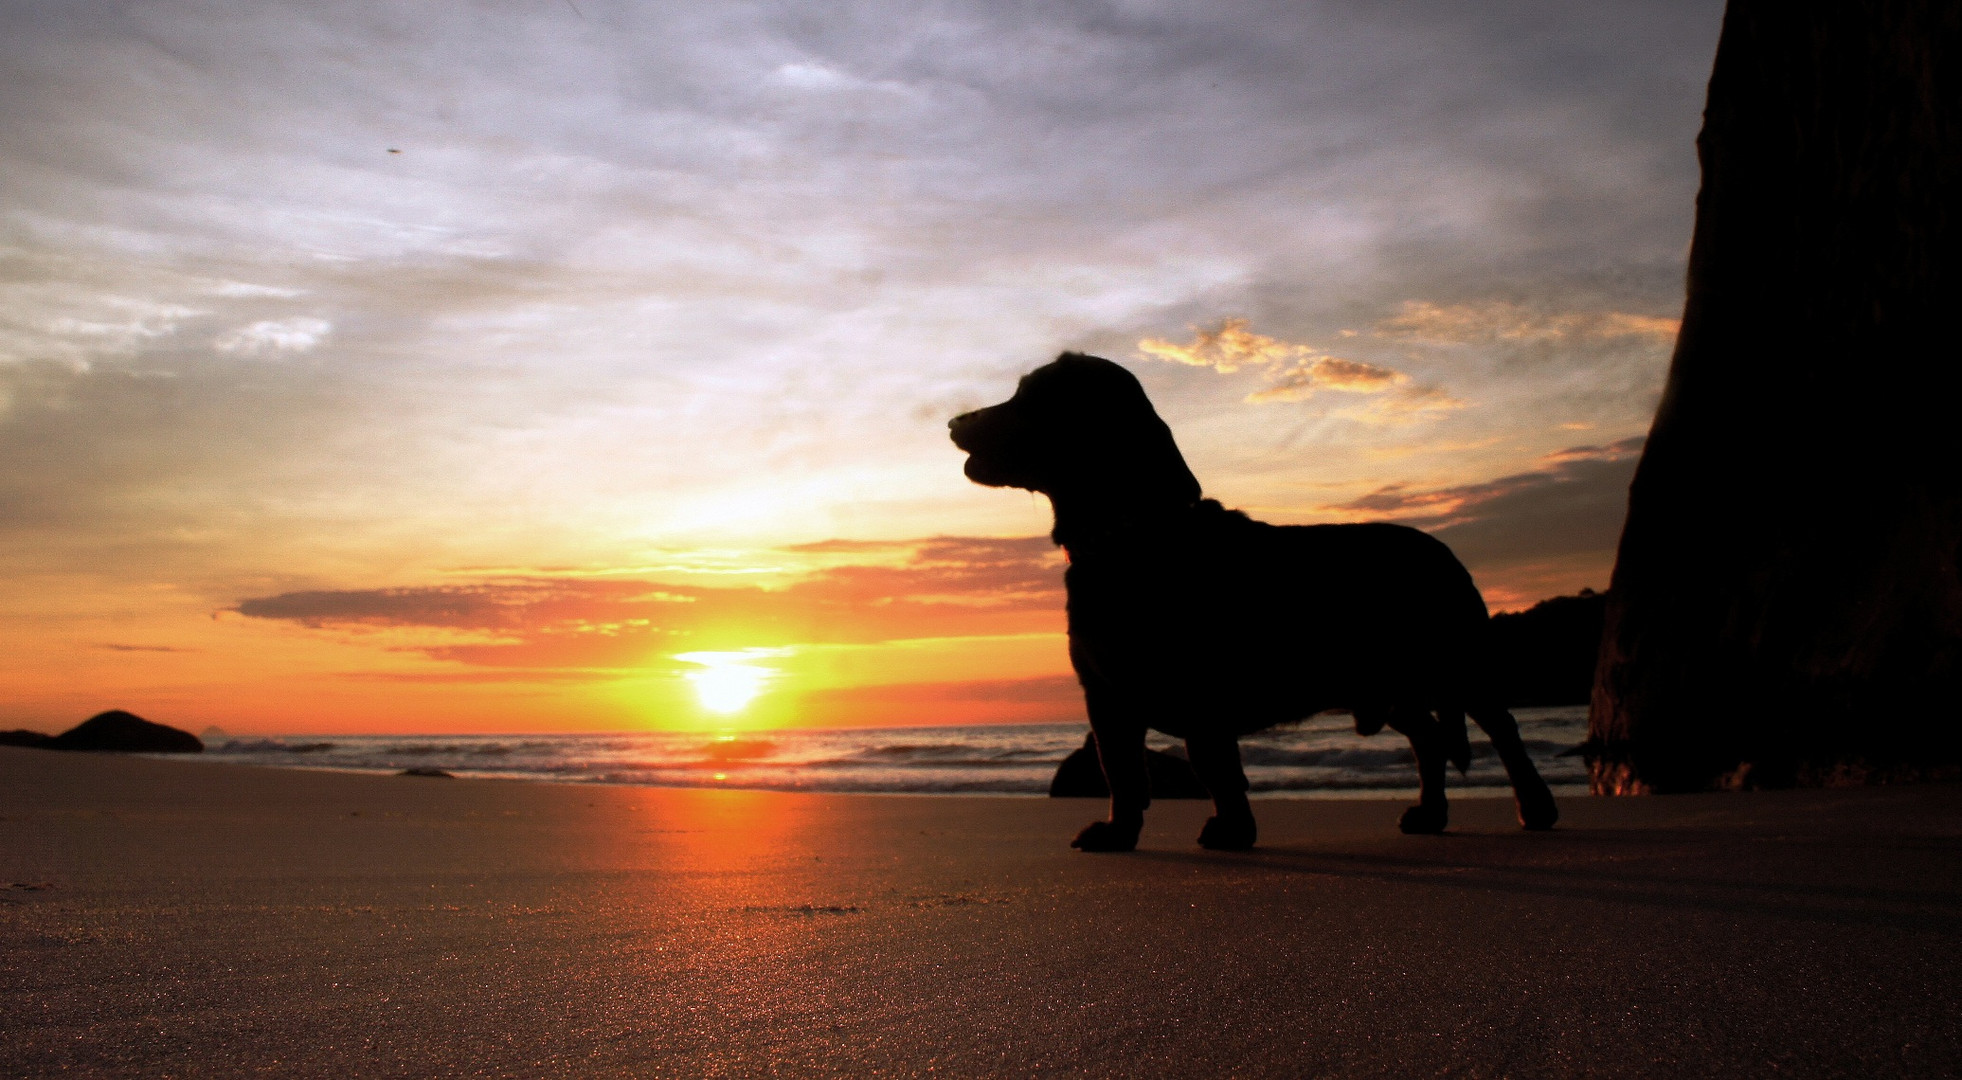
{"type": "Point", "coordinates": [726, 682]}
{"type": "Point", "coordinates": [416, 374]}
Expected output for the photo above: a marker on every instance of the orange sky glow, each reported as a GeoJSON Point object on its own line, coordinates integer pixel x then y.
{"type": "Point", "coordinates": [534, 368]}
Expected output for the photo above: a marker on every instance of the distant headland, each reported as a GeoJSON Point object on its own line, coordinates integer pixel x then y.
{"type": "Point", "coordinates": [114, 731]}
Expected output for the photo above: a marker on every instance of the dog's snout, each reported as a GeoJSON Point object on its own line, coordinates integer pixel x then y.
{"type": "Point", "coordinates": [961, 428]}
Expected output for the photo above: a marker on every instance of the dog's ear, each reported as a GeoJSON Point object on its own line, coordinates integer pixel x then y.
{"type": "Point", "coordinates": [1120, 453]}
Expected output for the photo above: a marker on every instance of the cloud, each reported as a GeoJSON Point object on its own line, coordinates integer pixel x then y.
{"type": "Point", "coordinates": [1299, 381]}
{"type": "Point", "coordinates": [234, 289]}
{"type": "Point", "coordinates": [1569, 510]}
{"type": "Point", "coordinates": [1412, 405]}
{"type": "Point", "coordinates": [273, 336]}
{"type": "Point", "coordinates": [938, 587]}
{"type": "Point", "coordinates": [488, 606]}
{"type": "Point", "coordinates": [1021, 573]}
{"type": "Point", "coordinates": [1227, 348]}
{"type": "Point", "coordinates": [52, 320]}
{"type": "Point", "coordinates": [1499, 321]}
{"type": "Point", "coordinates": [1044, 699]}
{"type": "Point", "coordinates": [1615, 451]}
{"type": "Point", "coordinates": [1297, 372]}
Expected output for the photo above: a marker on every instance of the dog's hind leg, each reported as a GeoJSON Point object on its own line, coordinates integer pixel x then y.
{"type": "Point", "coordinates": [1217, 761]}
{"type": "Point", "coordinates": [1432, 812]}
{"type": "Point", "coordinates": [1529, 792]}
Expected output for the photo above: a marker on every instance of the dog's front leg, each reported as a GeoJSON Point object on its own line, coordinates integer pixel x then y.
{"type": "Point", "coordinates": [1121, 751]}
{"type": "Point", "coordinates": [1432, 812]}
{"type": "Point", "coordinates": [1217, 761]}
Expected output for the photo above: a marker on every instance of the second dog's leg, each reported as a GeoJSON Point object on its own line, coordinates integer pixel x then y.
{"type": "Point", "coordinates": [1431, 813]}
{"type": "Point", "coordinates": [1217, 761]}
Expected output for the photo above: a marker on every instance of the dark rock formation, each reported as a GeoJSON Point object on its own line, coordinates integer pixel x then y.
{"type": "Point", "coordinates": [1545, 655]}
{"type": "Point", "coordinates": [1787, 602]}
{"type": "Point", "coordinates": [427, 770]}
{"type": "Point", "coordinates": [24, 737]}
{"type": "Point", "coordinates": [1081, 777]}
{"type": "Point", "coordinates": [120, 732]}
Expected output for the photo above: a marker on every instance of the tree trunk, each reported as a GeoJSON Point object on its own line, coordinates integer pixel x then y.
{"type": "Point", "coordinates": [1787, 601]}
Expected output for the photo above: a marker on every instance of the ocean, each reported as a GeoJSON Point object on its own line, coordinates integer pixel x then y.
{"type": "Point", "coordinates": [1320, 757]}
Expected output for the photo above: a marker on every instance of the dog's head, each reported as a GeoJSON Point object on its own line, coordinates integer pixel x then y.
{"type": "Point", "coordinates": [1079, 429]}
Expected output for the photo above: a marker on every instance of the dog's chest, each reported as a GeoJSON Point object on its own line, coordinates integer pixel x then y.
{"type": "Point", "coordinates": [1150, 620]}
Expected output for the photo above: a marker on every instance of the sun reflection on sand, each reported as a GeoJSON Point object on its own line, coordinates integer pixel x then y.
{"type": "Point", "coordinates": [744, 859]}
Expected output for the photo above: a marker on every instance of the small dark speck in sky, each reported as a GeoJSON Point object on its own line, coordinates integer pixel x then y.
{"type": "Point", "coordinates": [393, 150]}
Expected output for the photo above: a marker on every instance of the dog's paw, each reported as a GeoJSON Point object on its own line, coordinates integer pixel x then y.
{"type": "Point", "coordinates": [1106, 836]}
{"type": "Point", "coordinates": [1228, 833]}
{"type": "Point", "coordinates": [1537, 810]}
{"type": "Point", "coordinates": [1424, 819]}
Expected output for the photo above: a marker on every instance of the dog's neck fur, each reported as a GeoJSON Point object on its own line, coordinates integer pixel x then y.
{"type": "Point", "coordinates": [1088, 528]}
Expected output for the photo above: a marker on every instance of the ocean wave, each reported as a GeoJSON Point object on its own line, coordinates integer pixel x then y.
{"type": "Point", "coordinates": [863, 785]}
{"type": "Point", "coordinates": [1335, 757]}
{"type": "Point", "coordinates": [273, 746]}
{"type": "Point", "coordinates": [954, 754]}
{"type": "Point", "coordinates": [1018, 759]}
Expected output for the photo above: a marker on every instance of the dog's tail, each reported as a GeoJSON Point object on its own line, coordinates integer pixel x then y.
{"type": "Point", "coordinates": [1457, 742]}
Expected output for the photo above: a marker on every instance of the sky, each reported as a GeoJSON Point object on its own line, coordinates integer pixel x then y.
{"type": "Point", "coordinates": [565, 365]}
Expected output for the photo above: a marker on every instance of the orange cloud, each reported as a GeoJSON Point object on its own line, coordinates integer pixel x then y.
{"type": "Point", "coordinates": [1297, 372]}
{"type": "Point", "coordinates": [941, 587]}
{"type": "Point", "coordinates": [1226, 348]}
{"type": "Point", "coordinates": [1526, 536]}
{"type": "Point", "coordinates": [1028, 701]}
{"type": "Point", "coordinates": [1449, 507]}
{"type": "Point", "coordinates": [1422, 322]}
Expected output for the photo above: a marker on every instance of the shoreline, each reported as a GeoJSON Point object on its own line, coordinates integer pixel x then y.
{"type": "Point", "coordinates": [157, 917]}
{"type": "Point", "coordinates": [1458, 789]}
{"type": "Point", "coordinates": [1321, 759]}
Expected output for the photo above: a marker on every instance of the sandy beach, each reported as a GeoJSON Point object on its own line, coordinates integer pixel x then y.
{"type": "Point", "coordinates": [174, 918]}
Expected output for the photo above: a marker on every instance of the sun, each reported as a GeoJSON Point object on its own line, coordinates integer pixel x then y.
{"type": "Point", "coordinates": [726, 682]}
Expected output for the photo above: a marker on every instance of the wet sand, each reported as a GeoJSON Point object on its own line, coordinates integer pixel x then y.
{"type": "Point", "coordinates": [191, 918]}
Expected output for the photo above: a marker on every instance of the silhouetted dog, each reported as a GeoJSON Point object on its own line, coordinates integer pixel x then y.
{"type": "Point", "coordinates": [1200, 622]}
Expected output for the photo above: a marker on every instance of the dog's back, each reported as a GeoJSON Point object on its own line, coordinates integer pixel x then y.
{"type": "Point", "coordinates": [1222, 616]}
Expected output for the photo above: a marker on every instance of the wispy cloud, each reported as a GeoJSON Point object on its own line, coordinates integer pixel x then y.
{"type": "Point", "coordinates": [1456, 505]}
{"type": "Point", "coordinates": [1423, 322]}
{"type": "Point", "coordinates": [944, 586]}
{"type": "Point", "coordinates": [1298, 372]}
{"type": "Point", "coordinates": [1230, 346]}
{"type": "Point", "coordinates": [1031, 700]}
{"type": "Point", "coordinates": [1532, 534]}
{"type": "Point", "coordinates": [270, 337]}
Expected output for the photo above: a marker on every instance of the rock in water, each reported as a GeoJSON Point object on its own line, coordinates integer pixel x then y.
{"type": "Point", "coordinates": [119, 732]}
{"type": "Point", "coordinates": [1786, 605]}
{"type": "Point", "coordinates": [1081, 776]}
